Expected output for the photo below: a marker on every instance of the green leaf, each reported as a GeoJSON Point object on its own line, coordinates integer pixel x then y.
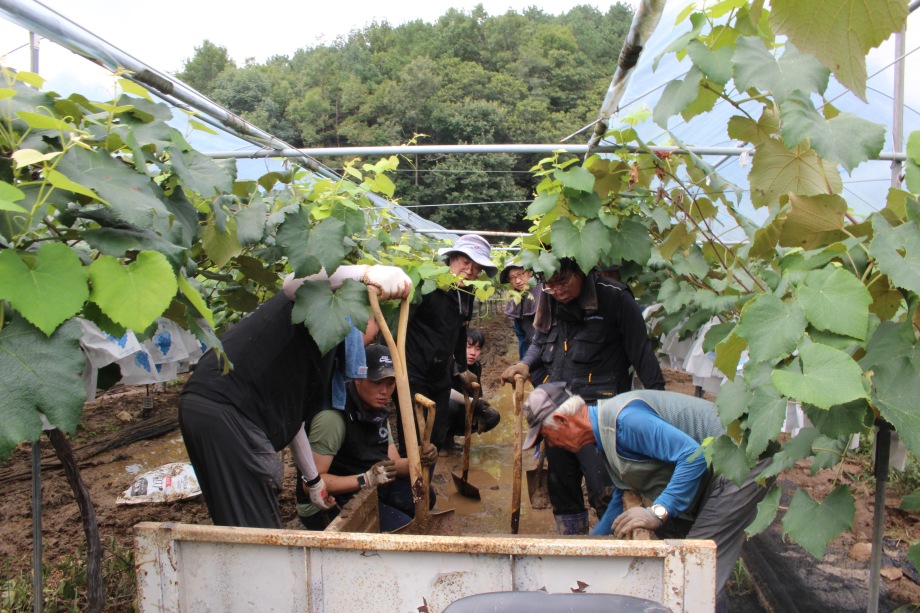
{"type": "Point", "coordinates": [118, 241]}
{"type": "Point", "coordinates": [839, 32]}
{"type": "Point", "coordinates": [845, 139]}
{"type": "Point", "coordinates": [582, 204]}
{"type": "Point", "coordinates": [913, 554]}
{"type": "Point", "coordinates": [828, 452]}
{"type": "Point", "coordinates": [755, 67]}
{"type": "Point", "coordinates": [896, 385]}
{"type": "Point", "coordinates": [729, 460]}
{"type": "Point", "coordinates": [326, 243]}
{"type": "Point", "coordinates": [38, 374]}
{"type": "Point", "coordinates": [728, 354]}
{"type": "Point", "coordinates": [200, 174]}
{"type": "Point", "coordinates": [799, 448]}
{"type": "Point", "coordinates": [59, 181]}
{"type": "Point", "coordinates": [732, 400]}
{"type": "Point", "coordinates": [382, 184]}
{"type": "Point", "coordinates": [195, 298]}
{"type": "Point", "coordinates": [292, 236]}
{"type": "Point", "coordinates": [8, 197]}
{"type": "Point", "coordinates": [133, 197]}
{"type": "Point", "coordinates": [813, 221]}
{"type": "Point", "coordinates": [46, 290]}
{"type": "Point", "coordinates": [324, 311]}
{"type": "Point", "coordinates": [842, 419]}
{"type": "Point", "coordinates": [136, 294]}
{"type": "Point", "coordinates": [715, 64]}
{"type": "Point", "coordinates": [37, 121]}
{"type": "Point", "coordinates": [828, 377]}
{"type": "Point", "coordinates": [130, 87]}
{"type": "Point", "coordinates": [578, 178]}
{"type": "Point", "coordinates": [814, 524]}
{"type": "Point", "coordinates": [253, 269]}
{"type": "Point", "coordinates": [543, 204]}
{"type": "Point", "coordinates": [766, 414]}
{"type": "Point", "coordinates": [250, 223]}
{"type": "Point", "coordinates": [771, 327]}
{"type": "Point", "coordinates": [911, 502]}
{"type": "Point", "coordinates": [221, 247]}
{"type": "Point", "coordinates": [766, 512]}
{"type": "Point", "coordinates": [777, 171]}
{"type": "Point", "coordinates": [630, 242]}
{"type": "Point", "coordinates": [27, 157]}
{"type": "Point", "coordinates": [677, 96]}
{"type": "Point", "coordinates": [834, 300]}
{"type": "Point", "coordinates": [897, 251]}
{"type": "Point", "coordinates": [716, 334]}
{"type": "Point", "coordinates": [912, 170]}
{"type": "Point", "coordinates": [585, 246]}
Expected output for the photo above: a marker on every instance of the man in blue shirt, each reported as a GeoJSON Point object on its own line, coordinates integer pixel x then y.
{"type": "Point", "coordinates": [650, 440]}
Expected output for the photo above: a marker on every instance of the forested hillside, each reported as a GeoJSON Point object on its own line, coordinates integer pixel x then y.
{"type": "Point", "coordinates": [468, 78]}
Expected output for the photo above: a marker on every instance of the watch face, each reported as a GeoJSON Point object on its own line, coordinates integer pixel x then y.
{"type": "Point", "coordinates": [660, 512]}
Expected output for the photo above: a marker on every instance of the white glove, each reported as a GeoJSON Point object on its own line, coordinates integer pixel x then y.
{"type": "Point", "coordinates": [390, 280]}
{"type": "Point", "coordinates": [318, 495]}
{"type": "Point", "coordinates": [381, 473]}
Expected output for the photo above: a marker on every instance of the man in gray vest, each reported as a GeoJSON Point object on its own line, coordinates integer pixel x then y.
{"type": "Point", "coordinates": [650, 441]}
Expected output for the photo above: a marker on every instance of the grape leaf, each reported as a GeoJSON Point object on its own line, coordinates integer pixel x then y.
{"type": "Point", "coordinates": [766, 414]}
{"type": "Point", "coordinates": [839, 32]}
{"type": "Point", "coordinates": [766, 512]}
{"type": "Point", "coordinates": [813, 221]}
{"type": "Point", "coordinates": [136, 294]}
{"type": "Point", "coordinates": [578, 178]}
{"type": "Point", "coordinates": [729, 460]}
{"type": "Point", "coordinates": [324, 311]}
{"type": "Point", "coordinates": [835, 300]}
{"type": "Point", "coordinates": [897, 251]}
{"type": "Point", "coordinates": [677, 96]}
{"type": "Point", "coordinates": [46, 289]}
{"type": "Point", "coordinates": [38, 374]}
{"type": "Point", "coordinates": [814, 524]}
{"type": "Point", "coordinates": [845, 139]}
{"type": "Point", "coordinates": [586, 246]}
{"type": "Point", "coordinates": [771, 327]}
{"type": "Point", "coordinates": [777, 170]}
{"type": "Point", "coordinates": [755, 67]}
{"type": "Point", "coordinates": [828, 377]}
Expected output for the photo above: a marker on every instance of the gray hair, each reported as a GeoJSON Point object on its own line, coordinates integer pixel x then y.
{"type": "Point", "coordinates": [569, 407]}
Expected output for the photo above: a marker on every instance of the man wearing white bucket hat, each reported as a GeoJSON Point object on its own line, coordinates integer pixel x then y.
{"type": "Point", "coordinates": [436, 338]}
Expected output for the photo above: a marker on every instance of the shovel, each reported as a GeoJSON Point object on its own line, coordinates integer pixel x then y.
{"type": "Point", "coordinates": [423, 522]}
{"type": "Point", "coordinates": [461, 482]}
{"type": "Point", "coordinates": [536, 483]}
{"type": "Point", "coordinates": [518, 441]}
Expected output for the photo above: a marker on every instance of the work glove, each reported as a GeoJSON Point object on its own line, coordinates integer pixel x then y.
{"type": "Point", "coordinates": [318, 495]}
{"type": "Point", "coordinates": [467, 379]}
{"type": "Point", "coordinates": [390, 280]}
{"type": "Point", "coordinates": [381, 473]}
{"type": "Point", "coordinates": [429, 455]}
{"type": "Point", "coordinates": [634, 519]}
{"type": "Point", "coordinates": [515, 369]}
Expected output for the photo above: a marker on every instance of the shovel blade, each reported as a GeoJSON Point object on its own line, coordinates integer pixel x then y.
{"type": "Point", "coordinates": [437, 523]}
{"type": "Point", "coordinates": [537, 489]}
{"type": "Point", "coordinates": [465, 488]}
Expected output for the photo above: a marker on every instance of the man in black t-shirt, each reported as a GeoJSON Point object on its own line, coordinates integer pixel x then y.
{"type": "Point", "coordinates": [234, 424]}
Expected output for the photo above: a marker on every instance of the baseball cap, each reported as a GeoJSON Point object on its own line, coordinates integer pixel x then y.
{"type": "Point", "coordinates": [379, 363]}
{"type": "Point", "coordinates": [475, 248]}
{"type": "Point", "coordinates": [539, 405]}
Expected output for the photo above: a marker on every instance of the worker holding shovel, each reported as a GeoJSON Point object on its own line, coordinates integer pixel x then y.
{"type": "Point", "coordinates": [589, 331]}
{"type": "Point", "coordinates": [651, 441]}
{"type": "Point", "coordinates": [233, 424]}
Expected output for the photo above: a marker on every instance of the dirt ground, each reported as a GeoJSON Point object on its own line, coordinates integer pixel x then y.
{"type": "Point", "coordinates": [108, 474]}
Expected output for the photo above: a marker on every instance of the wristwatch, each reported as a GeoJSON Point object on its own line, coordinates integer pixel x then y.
{"type": "Point", "coordinates": [660, 512]}
{"type": "Point", "coordinates": [362, 482]}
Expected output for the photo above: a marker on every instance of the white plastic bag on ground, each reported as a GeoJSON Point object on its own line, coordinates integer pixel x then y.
{"type": "Point", "coordinates": [166, 483]}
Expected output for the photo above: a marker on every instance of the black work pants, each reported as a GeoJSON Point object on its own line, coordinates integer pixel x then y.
{"type": "Point", "coordinates": [239, 472]}
{"type": "Point", "coordinates": [565, 471]}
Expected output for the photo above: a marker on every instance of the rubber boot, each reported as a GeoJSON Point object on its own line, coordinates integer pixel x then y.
{"type": "Point", "coordinates": [572, 524]}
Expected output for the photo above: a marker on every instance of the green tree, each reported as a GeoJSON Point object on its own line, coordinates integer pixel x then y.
{"type": "Point", "coordinates": [208, 61]}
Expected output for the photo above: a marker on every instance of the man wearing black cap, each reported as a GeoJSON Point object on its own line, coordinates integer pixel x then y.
{"type": "Point", "coordinates": [353, 449]}
{"type": "Point", "coordinates": [589, 331]}
{"type": "Point", "coordinates": [436, 337]}
{"type": "Point", "coordinates": [650, 441]}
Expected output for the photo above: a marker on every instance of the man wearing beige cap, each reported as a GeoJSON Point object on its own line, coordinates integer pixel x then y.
{"type": "Point", "coordinates": [436, 338]}
{"type": "Point", "coordinates": [650, 441]}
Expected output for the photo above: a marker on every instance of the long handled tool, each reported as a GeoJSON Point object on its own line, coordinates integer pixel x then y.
{"type": "Point", "coordinates": [518, 442]}
{"type": "Point", "coordinates": [537, 489]}
{"type": "Point", "coordinates": [461, 482]}
{"type": "Point", "coordinates": [422, 522]}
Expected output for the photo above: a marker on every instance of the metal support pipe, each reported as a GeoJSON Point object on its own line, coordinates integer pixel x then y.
{"type": "Point", "coordinates": [897, 116]}
{"type": "Point", "coordinates": [882, 453]}
{"type": "Point", "coordinates": [37, 589]}
{"type": "Point", "coordinates": [495, 148]}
